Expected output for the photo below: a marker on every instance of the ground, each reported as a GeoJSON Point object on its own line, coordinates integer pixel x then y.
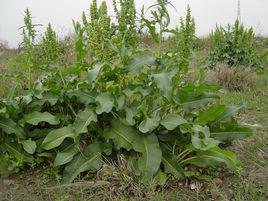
{"type": "Point", "coordinates": [251, 184]}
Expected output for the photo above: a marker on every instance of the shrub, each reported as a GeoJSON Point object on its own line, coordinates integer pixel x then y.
{"type": "Point", "coordinates": [234, 45]}
{"type": "Point", "coordinates": [232, 78]}
{"type": "Point", "coordinates": [3, 45]}
{"type": "Point", "coordinates": [133, 106]}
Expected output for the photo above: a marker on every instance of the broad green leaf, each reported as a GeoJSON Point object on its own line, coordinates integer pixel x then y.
{"type": "Point", "coordinates": [130, 114]}
{"type": "Point", "coordinates": [83, 96]}
{"type": "Point", "coordinates": [29, 146]}
{"type": "Point", "coordinates": [198, 102]}
{"type": "Point", "coordinates": [52, 99]}
{"type": "Point", "coordinates": [94, 72]}
{"type": "Point", "coordinates": [66, 155]}
{"type": "Point", "coordinates": [105, 103]}
{"type": "Point", "coordinates": [36, 117]}
{"type": "Point", "coordinates": [210, 114]}
{"type": "Point", "coordinates": [214, 157]}
{"type": "Point", "coordinates": [137, 63]}
{"type": "Point", "coordinates": [231, 134]}
{"type": "Point", "coordinates": [164, 82]}
{"type": "Point", "coordinates": [229, 112]}
{"type": "Point", "coordinates": [201, 138]}
{"type": "Point", "coordinates": [83, 119]}
{"type": "Point", "coordinates": [10, 127]}
{"type": "Point", "coordinates": [170, 164]}
{"type": "Point", "coordinates": [195, 96]}
{"type": "Point", "coordinates": [149, 124]}
{"type": "Point", "coordinates": [90, 159]}
{"type": "Point", "coordinates": [171, 121]}
{"type": "Point", "coordinates": [123, 136]}
{"type": "Point", "coordinates": [56, 137]}
{"type": "Point", "coordinates": [150, 161]}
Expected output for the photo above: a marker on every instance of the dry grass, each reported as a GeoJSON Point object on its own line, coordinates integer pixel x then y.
{"type": "Point", "coordinates": [237, 78]}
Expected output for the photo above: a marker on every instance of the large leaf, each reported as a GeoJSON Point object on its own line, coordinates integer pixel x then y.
{"type": "Point", "coordinates": [83, 96]}
{"type": "Point", "coordinates": [214, 157]}
{"type": "Point", "coordinates": [94, 72]}
{"type": "Point", "coordinates": [233, 133]}
{"type": "Point", "coordinates": [198, 101]}
{"type": "Point", "coordinates": [130, 114]}
{"type": "Point", "coordinates": [56, 137]}
{"type": "Point", "coordinates": [150, 161]}
{"type": "Point", "coordinates": [10, 127]}
{"type": "Point", "coordinates": [195, 96]}
{"type": "Point", "coordinates": [123, 136]}
{"type": "Point", "coordinates": [29, 146]}
{"type": "Point", "coordinates": [164, 82]}
{"type": "Point", "coordinates": [170, 164]}
{"type": "Point", "coordinates": [36, 117]}
{"type": "Point", "coordinates": [137, 63]}
{"type": "Point", "coordinates": [52, 99]}
{"type": "Point", "coordinates": [66, 155]}
{"type": "Point", "coordinates": [210, 114]}
{"type": "Point", "coordinates": [229, 112]}
{"type": "Point", "coordinates": [83, 119]}
{"type": "Point", "coordinates": [149, 124]}
{"type": "Point", "coordinates": [172, 121]}
{"type": "Point", "coordinates": [90, 159]}
{"type": "Point", "coordinates": [105, 103]}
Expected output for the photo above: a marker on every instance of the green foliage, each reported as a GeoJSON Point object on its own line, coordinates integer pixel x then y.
{"type": "Point", "coordinates": [234, 45]}
{"type": "Point", "coordinates": [28, 44]}
{"type": "Point", "coordinates": [182, 42]}
{"type": "Point", "coordinates": [50, 47]}
{"type": "Point", "coordinates": [126, 18]}
{"type": "Point", "coordinates": [133, 105]}
{"type": "Point", "coordinates": [98, 32]}
{"type": "Point", "coordinates": [186, 37]}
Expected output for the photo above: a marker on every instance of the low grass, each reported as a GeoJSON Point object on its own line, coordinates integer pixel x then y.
{"type": "Point", "coordinates": [251, 184]}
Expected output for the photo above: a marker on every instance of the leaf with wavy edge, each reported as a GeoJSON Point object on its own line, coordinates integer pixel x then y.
{"type": "Point", "coordinates": [36, 117]}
